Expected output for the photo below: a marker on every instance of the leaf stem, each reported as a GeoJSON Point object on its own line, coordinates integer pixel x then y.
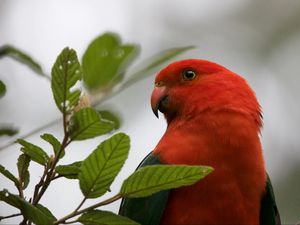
{"type": "Point", "coordinates": [56, 177]}
{"type": "Point", "coordinates": [10, 216]}
{"type": "Point", "coordinates": [70, 222]}
{"type": "Point", "coordinates": [75, 213]}
{"type": "Point", "coordinates": [20, 190]}
{"type": "Point", "coordinates": [81, 203]}
{"type": "Point", "coordinates": [50, 173]}
{"type": "Point", "coordinates": [39, 185]}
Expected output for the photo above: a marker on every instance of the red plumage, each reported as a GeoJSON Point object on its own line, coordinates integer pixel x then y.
{"type": "Point", "coordinates": [213, 119]}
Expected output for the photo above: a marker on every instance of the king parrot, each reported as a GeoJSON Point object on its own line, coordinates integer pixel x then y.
{"type": "Point", "coordinates": [213, 119]}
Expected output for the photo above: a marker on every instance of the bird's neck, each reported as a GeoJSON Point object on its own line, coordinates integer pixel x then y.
{"type": "Point", "coordinates": [217, 134]}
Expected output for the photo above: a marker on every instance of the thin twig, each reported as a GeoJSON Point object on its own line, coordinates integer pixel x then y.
{"type": "Point", "coordinates": [47, 125]}
{"type": "Point", "coordinates": [50, 173]}
{"type": "Point", "coordinates": [48, 78]}
{"type": "Point", "coordinates": [40, 184]}
{"type": "Point", "coordinates": [53, 122]}
{"type": "Point", "coordinates": [20, 190]}
{"type": "Point", "coordinates": [81, 203]}
{"type": "Point", "coordinates": [70, 222]}
{"type": "Point", "coordinates": [75, 213]}
{"type": "Point", "coordinates": [10, 216]}
{"type": "Point", "coordinates": [56, 177]}
{"type": "Point", "coordinates": [105, 202]}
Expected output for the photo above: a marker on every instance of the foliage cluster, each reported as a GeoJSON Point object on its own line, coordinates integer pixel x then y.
{"type": "Point", "coordinates": [103, 70]}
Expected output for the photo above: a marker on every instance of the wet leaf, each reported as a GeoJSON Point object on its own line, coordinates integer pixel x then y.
{"type": "Point", "coordinates": [105, 61]}
{"type": "Point", "coordinates": [66, 72]}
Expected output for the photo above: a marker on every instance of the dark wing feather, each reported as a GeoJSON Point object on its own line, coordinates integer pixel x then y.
{"type": "Point", "coordinates": [148, 210]}
{"type": "Point", "coordinates": [269, 214]}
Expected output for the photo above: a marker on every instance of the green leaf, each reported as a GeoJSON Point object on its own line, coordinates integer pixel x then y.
{"type": "Point", "coordinates": [34, 152]}
{"type": "Point", "coordinates": [151, 179]}
{"type": "Point", "coordinates": [105, 61]}
{"type": "Point", "coordinates": [55, 144]}
{"type": "Point", "coordinates": [101, 167]}
{"type": "Point", "coordinates": [23, 164]}
{"type": "Point", "coordinates": [87, 123]}
{"type": "Point", "coordinates": [70, 171]}
{"type": "Point", "coordinates": [34, 214]}
{"type": "Point", "coordinates": [8, 174]}
{"type": "Point", "coordinates": [46, 212]}
{"type": "Point", "coordinates": [154, 63]}
{"type": "Point", "coordinates": [66, 72]}
{"type": "Point", "coordinates": [110, 117]}
{"type": "Point", "coordinates": [22, 57]}
{"type": "Point", "coordinates": [9, 131]}
{"type": "Point", "coordinates": [97, 217]}
{"type": "Point", "coordinates": [10, 199]}
{"type": "Point", "coordinates": [2, 89]}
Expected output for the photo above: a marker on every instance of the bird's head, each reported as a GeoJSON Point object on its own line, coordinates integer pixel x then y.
{"type": "Point", "coordinates": [186, 88]}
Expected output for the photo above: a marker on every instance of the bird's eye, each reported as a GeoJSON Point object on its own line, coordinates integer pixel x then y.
{"type": "Point", "coordinates": [188, 74]}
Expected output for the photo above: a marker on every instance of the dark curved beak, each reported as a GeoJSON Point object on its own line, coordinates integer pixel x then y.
{"type": "Point", "coordinates": [159, 94]}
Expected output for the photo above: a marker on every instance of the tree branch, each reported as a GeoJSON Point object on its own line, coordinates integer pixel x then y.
{"type": "Point", "coordinates": [31, 133]}
{"type": "Point", "coordinates": [10, 216]}
{"type": "Point", "coordinates": [50, 174]}
{"type": "Point", "coordinates": [75, 213]}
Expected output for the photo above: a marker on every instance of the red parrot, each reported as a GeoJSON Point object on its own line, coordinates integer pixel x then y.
{"type": "Point", "coordinates": [213, 119]}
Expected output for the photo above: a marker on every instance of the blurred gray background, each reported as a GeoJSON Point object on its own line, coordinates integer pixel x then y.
{"type": "Point", "coordinates": [258, 39]}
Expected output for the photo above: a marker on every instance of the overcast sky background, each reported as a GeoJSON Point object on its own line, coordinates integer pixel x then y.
{"type": "Point", "coordinates": [257, 39]}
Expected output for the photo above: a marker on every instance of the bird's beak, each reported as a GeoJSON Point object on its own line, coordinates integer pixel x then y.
{"type": "Point", "coordinates": [159, 94]}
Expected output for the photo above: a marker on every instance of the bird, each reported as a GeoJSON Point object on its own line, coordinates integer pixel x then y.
{"type": "Point", "coordinates": [213, 118]}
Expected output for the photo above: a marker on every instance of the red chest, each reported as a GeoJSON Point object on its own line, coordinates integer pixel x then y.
{"type": "Point", "coordinates": [231, 194]}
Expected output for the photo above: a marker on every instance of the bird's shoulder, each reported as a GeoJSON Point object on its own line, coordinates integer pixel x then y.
{"type": "Point", "coordinates": [147, 210]}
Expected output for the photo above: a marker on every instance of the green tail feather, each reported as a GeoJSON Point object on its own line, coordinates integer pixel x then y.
{"type": "Point", "coordinates": [269, 214]}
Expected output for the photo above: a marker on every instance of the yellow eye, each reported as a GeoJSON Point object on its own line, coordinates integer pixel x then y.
{"type": "Point", "coordinates": [188, 74]}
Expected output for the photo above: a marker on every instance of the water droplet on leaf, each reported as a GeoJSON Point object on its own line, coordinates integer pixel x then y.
{"type": "Point", "coordinates": [119, 53]}
{"type": "Point", "coordinates": [104, 53]}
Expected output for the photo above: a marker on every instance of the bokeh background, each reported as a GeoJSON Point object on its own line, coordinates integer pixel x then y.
{"type": "Point", "coordinates": [259, 39]}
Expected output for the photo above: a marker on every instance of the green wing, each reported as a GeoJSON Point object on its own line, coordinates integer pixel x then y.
{"type": "Point", "coordinates": [269, 214]}
{"type": "Point", "coordinates": [148, 210]}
